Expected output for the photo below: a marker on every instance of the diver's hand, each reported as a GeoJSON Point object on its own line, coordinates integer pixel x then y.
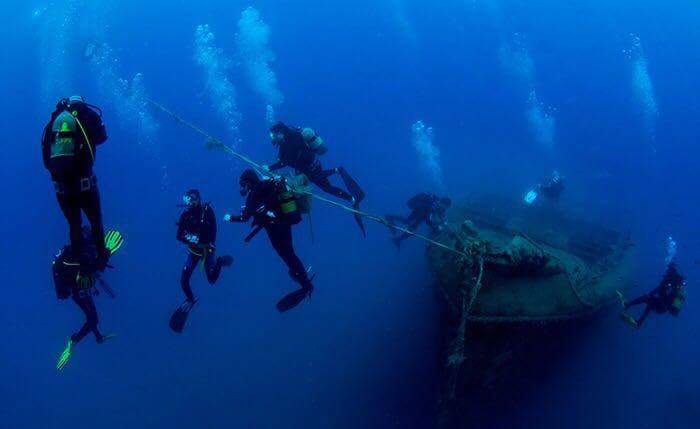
{"type": "Point", "coordinates": [85, 282]}
{"type": "Point", "coordinates": [228, 217]}
{"type": "Point", "coordinates": [192, 238]}
{"type": "Point", "coordinates": [266, 168]}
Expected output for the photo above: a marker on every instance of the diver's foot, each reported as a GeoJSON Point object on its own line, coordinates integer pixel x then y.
{"type": "Point", "coordinates": [629, 320]}
{"type": "Point", "coordinates": [225, 261]}
{"type": "Point", "coordinates": [66, 354]}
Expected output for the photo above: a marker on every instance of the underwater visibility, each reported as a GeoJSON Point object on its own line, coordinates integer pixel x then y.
{"type": "Point", "coordinates": [369, 214]}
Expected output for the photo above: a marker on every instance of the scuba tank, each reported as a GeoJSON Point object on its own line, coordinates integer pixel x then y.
{"type": "Point", "coordinates": [301, 184]}
{"type": "Point", "coordinates": [678, 301]}
{"type": "Point", "coordinates": [65, 131]}
{"type": "Point", "coordinates": [287, 201]}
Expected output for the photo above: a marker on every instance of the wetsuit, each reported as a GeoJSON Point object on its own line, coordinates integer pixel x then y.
{"type": "Point", "coordinates": [295, 153]}
{"type": "Point", "coordinates": [424, 207]}
{"type": "Point", "coordinates": [262, 205]}
{"type": "Point", "coordinates": [201, 222]}
{"type": "Point", "coordinates": [660, 300]}
{"type": "Point", "coordinates": [68, 151]}
{"type": "Point", "coordinates": [66, 269]}
{"type": "Point", "coordinates": [553, 189]}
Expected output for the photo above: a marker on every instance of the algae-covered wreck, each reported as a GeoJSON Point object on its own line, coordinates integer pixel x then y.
{"type": "Point", "coordinates": [521, 271]}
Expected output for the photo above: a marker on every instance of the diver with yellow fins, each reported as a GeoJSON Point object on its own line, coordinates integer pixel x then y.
{"type": "Point", "coordinates": [274, 206]}
{"type": "Point", "coordinates": [299, 149]}
{"type": "Point", "coordinates": [69, 144]}
{"type": "Point", "coordinates": [668, 297]}
{"type": "Point", "coordinates": [82, 283]}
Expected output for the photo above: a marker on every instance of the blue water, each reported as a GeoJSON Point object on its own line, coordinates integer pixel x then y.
{"type": "Point", "coordinates": [603, 91]}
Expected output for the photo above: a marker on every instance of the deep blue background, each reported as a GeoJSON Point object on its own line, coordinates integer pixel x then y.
{"type": "Point", "coordinates": [363, 352]}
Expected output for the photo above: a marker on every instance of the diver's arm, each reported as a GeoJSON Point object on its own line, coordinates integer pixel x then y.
{"type": "Point", "coordinates": [182, 230]}
{"type": "Point", "coordinates": [45, 145]}
{"type": "Point", "coordinates": [95, 126]}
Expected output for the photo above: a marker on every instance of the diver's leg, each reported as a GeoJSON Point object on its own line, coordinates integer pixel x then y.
{"type": "Point", "coordinates": [412, 224]}
{"type": "Point", "coordinates": [187, 270]}
{"type": "Point", "coordinates": [212, 266]}
{"type": "Point", "coordinates": [325, 185]}
{"type": "Point", "coordinates": [87, 305]}
{"type": "Point", "coordinates": [647, 310]}
{"type": "Point", "coordinates": [281, 239]}
{"type": "Point", "coordinates": [644, 299]}
{"type": "Point", "coordinates": [71, 211]}
{"type": "Point", "coordinates": [93, 211]}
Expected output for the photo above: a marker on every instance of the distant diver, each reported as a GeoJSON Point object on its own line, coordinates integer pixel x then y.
{"type": "Point", "coordinates": [551, 189]}
{"type": "Point", "coordinates": [425, 208]}
{"type": "Point", "coordinates": [69, 144]}
{"type": "Point", "coordinates": [299, 149]}
{"type": "Point", "coordinates": [274, 207]}
{"type": "Point", "coordinates": [668, 297]}
{"type": "Point", "coordinates": [82, 283]}
{"type": "Point", "coordinates": [196, 230]}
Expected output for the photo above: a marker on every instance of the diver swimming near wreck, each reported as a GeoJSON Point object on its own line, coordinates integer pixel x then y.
{"type": "Point", "coordinates": [551, 189]}
{"type": "Point", "coordinates": [667, 297]}
{"type": "Point", "coordinates": [299, 148]}
{"type": "Point", "coordinates": [275, 208]}
{"type": "Point", "coordinates": [425, 208]}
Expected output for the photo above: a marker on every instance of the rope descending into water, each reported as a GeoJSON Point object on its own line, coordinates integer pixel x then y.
{"type": "Point", "coordinates": [214, 143]}
{"type": "Point", "coordinates": [458, 346]}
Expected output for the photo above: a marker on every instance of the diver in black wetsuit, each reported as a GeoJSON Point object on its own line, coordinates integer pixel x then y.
{"type": "Point", "coordinates": [425, 207]}
{"type": "Point", "coordinates": [78, 281]}
{"type": "Point", "coordinates": [197, 230]}
{"type": "Point", "coordinates": [298, 149]}
{"type": "Point", "coordinates": [274, 208]}
{"type": "Point", "coordinates": [551, 189]}
{"type": "Point", "coordinates": [668, 297]}
{"type": "Point", "coordinates": [69, 145]}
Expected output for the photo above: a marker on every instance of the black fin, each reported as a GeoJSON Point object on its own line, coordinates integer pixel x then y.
{"type": "Point", "coordinates": [351, 185]}
{"type": "Point", "coordinates": [292, 300]}
{"type": "Point", "coordinates": [179, 318]}
{"type": "Point", "coordinates": [356, 191]}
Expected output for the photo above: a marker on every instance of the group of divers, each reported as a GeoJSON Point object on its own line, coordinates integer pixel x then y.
{"type": "Point", "coordinates": [272, 203]}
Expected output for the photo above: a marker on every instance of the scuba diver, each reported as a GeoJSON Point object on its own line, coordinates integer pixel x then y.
{"type": "Point", "coordinates": [668, 297]}
{"type": "Point", "coordinates": [275, 208]}
{"type": "Point", "coordinates": [425, 207]}
{"type": "Point", "coordinates": [197, 230]}
{"type": "Point", "coordinates": [551, 189]}
{"type": "Point", "coordinates": [81, 282]}
{"type": "Point", "coordinates": [298, 149]}
{"type": "Point", "coordinates": [69, 145]}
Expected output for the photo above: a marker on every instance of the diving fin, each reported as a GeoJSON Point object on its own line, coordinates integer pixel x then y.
{"type": "Point", "coordinates": [621, 299]}
{"type": "Point", "coordinates": [293, 299]}
{"type": "Point", "coordinates": [629, 320]}
{"type": "Point", "coordinates": [179, 317]}
{"type": "Point", "coordinates": [106, 338]}
{"type": "Point", "coordinates": [356, 191]}
{"type": "Point", "coordinates": [113, 241]}
{"type": "Point", "coordinates": [65, 356]}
